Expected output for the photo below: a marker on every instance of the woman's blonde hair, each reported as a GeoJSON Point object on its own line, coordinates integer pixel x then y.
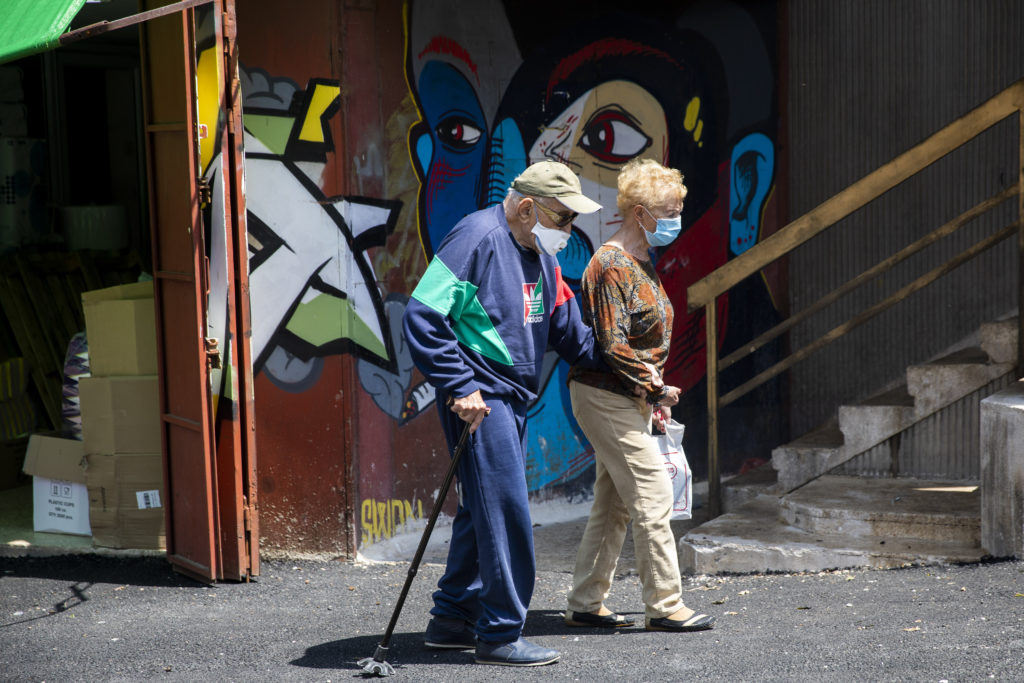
{"type": "Point", "coordinates": [645, 181]}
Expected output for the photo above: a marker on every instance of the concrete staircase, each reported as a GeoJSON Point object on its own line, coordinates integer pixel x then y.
{"type": "Point", "coordinates": [792, 517]}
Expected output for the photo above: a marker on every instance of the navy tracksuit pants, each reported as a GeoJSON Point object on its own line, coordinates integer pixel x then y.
{"type": "Point", "coordinates": [490, 573]}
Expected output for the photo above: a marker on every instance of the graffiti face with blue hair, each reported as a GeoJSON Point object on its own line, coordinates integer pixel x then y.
{"type": "Point", "coordinates": [459, 56]}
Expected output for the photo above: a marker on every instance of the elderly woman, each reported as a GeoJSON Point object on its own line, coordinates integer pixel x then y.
{"type": "Point", "coordinates": [622, 298]}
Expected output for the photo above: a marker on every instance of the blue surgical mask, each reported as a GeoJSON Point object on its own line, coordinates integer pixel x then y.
{"type": "Point", "coordinates": [666, 230]}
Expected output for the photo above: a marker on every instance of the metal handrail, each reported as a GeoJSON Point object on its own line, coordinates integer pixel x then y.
{"type": "Point", "coordinates": [705, 292]}
{"type": "Point", "coordinates": [900, 256]}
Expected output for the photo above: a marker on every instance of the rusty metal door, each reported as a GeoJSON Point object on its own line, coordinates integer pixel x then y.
{"type": "Point", "coordinates": [199, 494]}
{"type": "Point", "coordinates": [234, 422]}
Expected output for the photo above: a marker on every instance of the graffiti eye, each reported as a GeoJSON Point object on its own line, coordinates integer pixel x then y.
{"type": "Point", "coordinates": [458, 133]}
{"type": "Point", "coordinates": [612, 137]}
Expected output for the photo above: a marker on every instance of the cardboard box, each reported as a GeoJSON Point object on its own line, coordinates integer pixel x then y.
{"type": "Point", "coordinates": [126, 500]}
{"type": "Point", "coordinates": [60, 502]}
{"type": "Point", "coordinates": [120, 414]}
{"type": "Point", "coordinates": [121, 325]}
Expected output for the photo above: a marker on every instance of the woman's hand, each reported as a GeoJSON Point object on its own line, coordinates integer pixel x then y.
{"type": "Point", "coordinates": [471, 409]}
{"type": "Point", "coordinates": [661, 416]}
{"type": "Point", "coordinates": [669, 397]}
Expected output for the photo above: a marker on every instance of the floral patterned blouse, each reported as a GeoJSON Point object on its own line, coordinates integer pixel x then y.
{"type": "Point", "coordinates": [624, 301]}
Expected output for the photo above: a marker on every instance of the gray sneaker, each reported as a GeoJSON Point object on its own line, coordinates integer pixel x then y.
{"type": "Point", "coordinates": [517, 653]}
{"type": "Point", "coordinates": [447, 633]}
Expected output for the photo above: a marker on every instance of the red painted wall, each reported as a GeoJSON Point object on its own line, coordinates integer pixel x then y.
{"type": "Point", "coordinates": [333, 468]}
{"type": "Point", "coordinates": [302, 438]}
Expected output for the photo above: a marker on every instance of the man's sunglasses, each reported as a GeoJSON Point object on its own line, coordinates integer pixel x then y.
{"type": "Point", "coordinates": [559, 219]}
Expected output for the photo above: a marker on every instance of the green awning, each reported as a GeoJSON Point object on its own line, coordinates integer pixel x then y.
{"type": "Point", "coordinates": [30, 26]}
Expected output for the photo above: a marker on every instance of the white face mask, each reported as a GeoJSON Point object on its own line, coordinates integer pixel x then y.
{"type": "Point", "coordinates": [549, 240]}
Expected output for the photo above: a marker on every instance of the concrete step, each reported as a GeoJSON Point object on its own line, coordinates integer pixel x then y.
{"type": "Point", "coordinates": [746, 486]}
{"type": "Point", "coordinates": [757, 537]}
{"type": "Point", "coordinates": [930, 387]}
{"type": "Point", "coordinates": [999, 340]}
{"type": "Point", "coordinates": [808, 457]}
{"type": "Point", "coordinates": [944, 381]}
{"type": "Point", "coordinates": [876, 419]}
{"type": "Point", "coordinates": [901, 508]}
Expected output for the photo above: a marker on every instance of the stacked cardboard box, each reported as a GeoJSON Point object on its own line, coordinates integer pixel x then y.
{"type": "Point", "coordinates": [126, 500]}
{"type": "Point", "coordinates": [60, 503]}
{"type": "Point", "coordinates": [120, 409]}
{"type": "Point", "coordinates": [121, 325]}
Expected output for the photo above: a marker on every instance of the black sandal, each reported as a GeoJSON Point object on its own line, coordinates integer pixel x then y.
{"type": "Point", "coordinates": [698, 622]}
{"type": "Point", "coordinates": [597, 620]}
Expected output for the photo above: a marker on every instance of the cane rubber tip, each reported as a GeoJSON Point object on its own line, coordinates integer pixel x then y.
{"type": "Point", "coordinates": [372, 667]}
{"type": "Point", "coordinates": [375, 665]}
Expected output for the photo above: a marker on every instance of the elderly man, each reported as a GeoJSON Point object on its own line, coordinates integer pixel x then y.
{"type": "Point", "coordinates": [490, 303]}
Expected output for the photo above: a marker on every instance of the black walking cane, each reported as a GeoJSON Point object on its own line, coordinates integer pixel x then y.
{"type": "Point", "coordinates": [376, 664]}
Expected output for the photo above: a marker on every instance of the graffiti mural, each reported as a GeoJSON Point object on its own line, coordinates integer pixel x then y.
{"type": "Point", "coordinates": [313, 291]}
{"type": "Point", "coordinates": [489, 87]}
{"type": "Point", "coordinates": [692, 89]}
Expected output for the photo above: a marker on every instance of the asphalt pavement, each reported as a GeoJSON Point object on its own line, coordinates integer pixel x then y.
{"type": "Point", "coordinates": [93, 618]}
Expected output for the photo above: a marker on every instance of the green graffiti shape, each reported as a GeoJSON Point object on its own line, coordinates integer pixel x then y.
{"type": "Point", "coordinates": [272, 131]}
{"type": "Point", "coordinates": [327, 318]}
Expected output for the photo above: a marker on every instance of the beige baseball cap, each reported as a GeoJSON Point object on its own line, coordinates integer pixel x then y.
{"type": "Point", "coordinates": [553, 179]}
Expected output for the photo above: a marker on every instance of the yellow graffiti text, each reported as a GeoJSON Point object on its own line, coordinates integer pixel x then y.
{"type": "Point", "coordinates": [380, 519]}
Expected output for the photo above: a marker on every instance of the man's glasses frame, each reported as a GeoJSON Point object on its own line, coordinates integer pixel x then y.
{"type": "Point", "coordinates": [559, 219]}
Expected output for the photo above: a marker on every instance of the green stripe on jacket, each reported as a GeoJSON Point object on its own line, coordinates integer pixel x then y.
{"type": "Point", "coordinates": [440, 290]}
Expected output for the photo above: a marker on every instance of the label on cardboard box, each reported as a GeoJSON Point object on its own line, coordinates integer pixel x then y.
{"type": "Point", "coordinates": [148, 499]}
{"type": "Point", "coordinates": [60, 506]}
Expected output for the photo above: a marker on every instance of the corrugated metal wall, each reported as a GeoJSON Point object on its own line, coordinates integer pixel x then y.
{"type": "Point", "coordinates": [943, 446]}
{"type": "Point", "coordinates": [867, 80]}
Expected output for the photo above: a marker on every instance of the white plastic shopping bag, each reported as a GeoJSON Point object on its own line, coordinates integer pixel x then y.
{"type": "Point", "coordinates": [671, 445]}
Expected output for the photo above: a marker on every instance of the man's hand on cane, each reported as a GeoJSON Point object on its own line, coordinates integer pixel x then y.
{"type": "Point", "coordinates": [471, 409]}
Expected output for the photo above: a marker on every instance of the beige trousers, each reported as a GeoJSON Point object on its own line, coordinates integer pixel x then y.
{"type": "Point", "coordinates": [631, 484]}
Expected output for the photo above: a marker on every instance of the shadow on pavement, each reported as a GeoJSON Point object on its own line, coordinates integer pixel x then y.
{"type": "Point", "coordinates": [407, 648]}
{"type": "Point", "coordinates": [78, 594]}
{"type": "Point", "coordinates": [552, 623]}
{"type": "Point", "coordinates": [90, 569]}
{"type": "Point", "coordinates": [404, 648]}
